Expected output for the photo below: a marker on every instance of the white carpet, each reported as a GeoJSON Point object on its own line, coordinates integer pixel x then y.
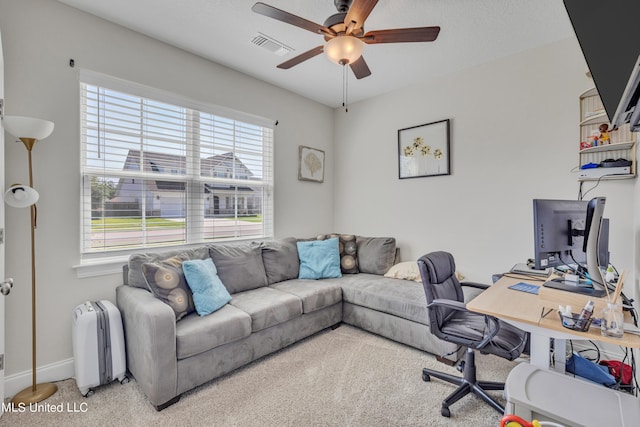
{"type": "Point", "coordinates": [344, 377]}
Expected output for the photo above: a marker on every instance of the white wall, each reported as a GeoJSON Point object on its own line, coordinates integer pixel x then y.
{"type": "Point", "coordinates": [39, 37]}
{"type": "Point", "coordinates": [514, 137]}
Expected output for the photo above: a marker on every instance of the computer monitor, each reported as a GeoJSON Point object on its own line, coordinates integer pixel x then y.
{"type": "Point", "coordinates": [560, 227]}
{"type": "Point", "coordinates": [554, 239]}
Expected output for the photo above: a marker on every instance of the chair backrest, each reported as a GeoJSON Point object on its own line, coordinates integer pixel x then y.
{"type": "Point", "coordinates": [438, 271]}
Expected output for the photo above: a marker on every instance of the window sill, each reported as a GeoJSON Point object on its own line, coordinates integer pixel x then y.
{"type": "Point", "coordinates": [100, 267]}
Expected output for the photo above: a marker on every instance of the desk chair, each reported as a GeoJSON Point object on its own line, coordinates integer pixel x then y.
{"type": "Point", "coordinates": [450, 320]}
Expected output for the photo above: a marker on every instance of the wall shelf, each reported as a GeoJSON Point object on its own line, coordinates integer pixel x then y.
{"type": "Point", "coordinates": [623, 141]}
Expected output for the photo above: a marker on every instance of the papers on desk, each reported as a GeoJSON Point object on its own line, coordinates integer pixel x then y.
{"type": "Point", "coordinates": [526, 287]}
{"type": "Point", "coordinates": [526, 270]}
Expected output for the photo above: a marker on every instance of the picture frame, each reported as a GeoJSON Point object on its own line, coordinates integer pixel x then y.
{"type": "Point", "coordinates": [310, 164]}
{"type": "Point", "coordinates": [424, 150]}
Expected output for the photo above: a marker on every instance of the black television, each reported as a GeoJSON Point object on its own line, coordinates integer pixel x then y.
{"type": "Point", "coordinates": [628, 110]}
{"type": "Point", "coordinates": [609, 36]}
{"type": "Point", "coordinates": [561, 231]}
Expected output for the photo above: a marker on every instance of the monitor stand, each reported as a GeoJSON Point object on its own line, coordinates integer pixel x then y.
{"type": "Point", "coordinates": [594, 291]}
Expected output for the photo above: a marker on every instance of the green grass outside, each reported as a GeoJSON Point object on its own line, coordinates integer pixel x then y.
{"type": "Point", "coordinates": [124, 224]}
{"type": "Point", "coordinates": [255, 218]}
{"type": "Point", "coordinates": [120, 224]}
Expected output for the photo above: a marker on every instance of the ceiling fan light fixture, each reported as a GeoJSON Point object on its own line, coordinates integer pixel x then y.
{"type": "Point", "coordinates": [343, 50]}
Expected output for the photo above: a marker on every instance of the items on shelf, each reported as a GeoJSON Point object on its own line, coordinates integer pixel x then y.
{"type": "Point", "coordinates": [601, 146]}
{"type": "Point", "coordinates": [598, 137]}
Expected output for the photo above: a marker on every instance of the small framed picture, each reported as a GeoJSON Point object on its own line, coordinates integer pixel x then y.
{"type": "Point", "coordinates": [424, 150]}
{"type": "Point", "coordinates": [310, 164]}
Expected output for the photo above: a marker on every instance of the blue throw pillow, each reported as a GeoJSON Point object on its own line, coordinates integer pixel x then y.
{"type": "Point", "coordinates": [319, 259]}
{"type": "Point", "coordinates": [209, 294]}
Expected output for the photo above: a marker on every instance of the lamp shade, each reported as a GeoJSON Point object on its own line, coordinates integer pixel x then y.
{"type": "Point", "coordinates": [344, 50]}
{"type": "Point", "coordinates": [27, 127]}
{"type": "Point", "coordinates": [21, 196]}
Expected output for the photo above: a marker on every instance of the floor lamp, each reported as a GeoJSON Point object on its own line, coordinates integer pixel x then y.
{"type": "Point", "coordinates": [29, 131]}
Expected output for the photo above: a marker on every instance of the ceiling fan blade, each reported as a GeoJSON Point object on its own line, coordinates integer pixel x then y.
{"type": "Point", "coordinates": [359, 12]}
{"type": "Point", "coordinates": [360, 68]}
{"type": "Point", "coordinates": [402, 35]}
{"type": "Point", "coordinates": [289, 18]}
{"type": "Point", "coordinates": [302, 57]}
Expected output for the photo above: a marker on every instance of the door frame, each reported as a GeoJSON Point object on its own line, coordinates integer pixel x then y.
{"type": "Point", "coordinates": [2, 272]}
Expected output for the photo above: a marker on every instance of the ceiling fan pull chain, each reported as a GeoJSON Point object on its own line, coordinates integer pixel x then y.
{"type": "Point", "coordinates": [345, 89]}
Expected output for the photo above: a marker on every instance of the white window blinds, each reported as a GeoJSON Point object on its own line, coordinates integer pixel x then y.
{"type": "Point", "coordinates": [158, 173]}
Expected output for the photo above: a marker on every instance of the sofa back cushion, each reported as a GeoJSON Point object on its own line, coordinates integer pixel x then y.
{"type": "Point", "coordinates": [280, 258]}
{"type": "Point", "coordinates": [240, 267]}
{"type": "Point", "coordinates": [376, 255]}
{"type": "Point", "coordinates": [135, 276]}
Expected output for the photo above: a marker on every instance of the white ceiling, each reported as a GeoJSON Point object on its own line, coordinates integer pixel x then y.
{"type": "Point", "coordinates": [473, 32]}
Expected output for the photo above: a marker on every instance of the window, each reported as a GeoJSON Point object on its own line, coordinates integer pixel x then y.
{"type": "Point", "coordinates": [160, 170]}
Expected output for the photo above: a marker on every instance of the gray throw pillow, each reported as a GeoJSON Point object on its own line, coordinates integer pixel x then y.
{"type": "Point", "coordinates": [165, 279]}
{"type": "Point", "coordinates": [135, 275]}
{"type": "Point", "coordinates": [348, 251]}
{"type": "Point", "coordinates": [240, 267]}
{"type": "Point", "coordinates": [280, 259]}
{"type": "Point", "coordinates": [376, 255]}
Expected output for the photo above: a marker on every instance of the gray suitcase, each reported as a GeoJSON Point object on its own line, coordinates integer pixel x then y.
{"type": "Point", "coordinates": [98, 345]}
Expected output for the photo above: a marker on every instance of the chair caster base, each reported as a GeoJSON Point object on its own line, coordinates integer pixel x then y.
{"type": "Point", "coordinates": [445, 412]}
{"type": "Point", "coordinates": [426, 377]}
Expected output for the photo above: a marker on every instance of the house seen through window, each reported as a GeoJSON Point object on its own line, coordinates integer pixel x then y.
{"type": "Point", "coordinates": [158, 173]}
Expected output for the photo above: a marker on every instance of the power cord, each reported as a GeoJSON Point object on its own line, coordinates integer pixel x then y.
{"type": "Point", "coordinates": [581, 194]}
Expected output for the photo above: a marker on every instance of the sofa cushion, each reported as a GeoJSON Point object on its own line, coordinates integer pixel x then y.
{"type": "Point", "coordinates": [315, 294]}
{"type": "Point", "coordinates": [280, 258]}
{"type": "Point", "coordinates": [135, 277]}
{"type": "Point", "coordinates": [209, 294]}
{"type": "Point", "coordinates": [165, 279]}
{"type": "Point", "coordinates": [195, 334]}
{"type": "Point", "coordinates": [240, 267]}
{"type": "Point", "coordinates": [348, 251]}
{"type": "Point", "coordinates": [376, 255]}
{"type": "Point", "coordinates": [267, 306]}
{"type": "Point", "coordinates": [319, 259]}
{"type": "Point", "coordinates": [401, 298]}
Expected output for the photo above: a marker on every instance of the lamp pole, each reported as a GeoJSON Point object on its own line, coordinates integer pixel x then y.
{"type": "Point", "coordinates": [37, 392]}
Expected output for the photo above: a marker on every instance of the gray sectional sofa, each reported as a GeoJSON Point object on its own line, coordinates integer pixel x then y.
{"type": "Point", "coordinates": [270, 308]}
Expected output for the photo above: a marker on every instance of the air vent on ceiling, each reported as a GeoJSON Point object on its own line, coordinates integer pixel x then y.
{"type": "Point", "coordinates": [271, 44]}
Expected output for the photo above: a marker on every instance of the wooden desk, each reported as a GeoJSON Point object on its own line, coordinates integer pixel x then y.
{"type": "Point", "coordinates": [524, 310]}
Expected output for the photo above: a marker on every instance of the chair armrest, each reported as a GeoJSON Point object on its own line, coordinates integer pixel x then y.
{"type": "Point", "coordinates": [456, 305]}
{"type": "Point", "coordinates": [475, 285]}
{"type": "Point", "coordinates": [150, 334]}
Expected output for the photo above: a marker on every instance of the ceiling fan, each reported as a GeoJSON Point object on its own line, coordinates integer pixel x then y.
{"type": "Point", "coordinates": [344, 34]}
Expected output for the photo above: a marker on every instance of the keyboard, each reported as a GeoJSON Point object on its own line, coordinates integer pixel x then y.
{"type": "Point", "coordinates": [569, 287]}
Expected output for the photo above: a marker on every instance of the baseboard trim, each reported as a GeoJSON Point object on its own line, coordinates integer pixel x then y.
{"type": "Point", "coordinates": [48, 373]}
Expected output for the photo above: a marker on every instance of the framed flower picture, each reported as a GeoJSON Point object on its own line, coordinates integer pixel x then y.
{"type": "Point", "coordinates": [424, 150]}
{"type": "Point", "coordinates": [310, 164]}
